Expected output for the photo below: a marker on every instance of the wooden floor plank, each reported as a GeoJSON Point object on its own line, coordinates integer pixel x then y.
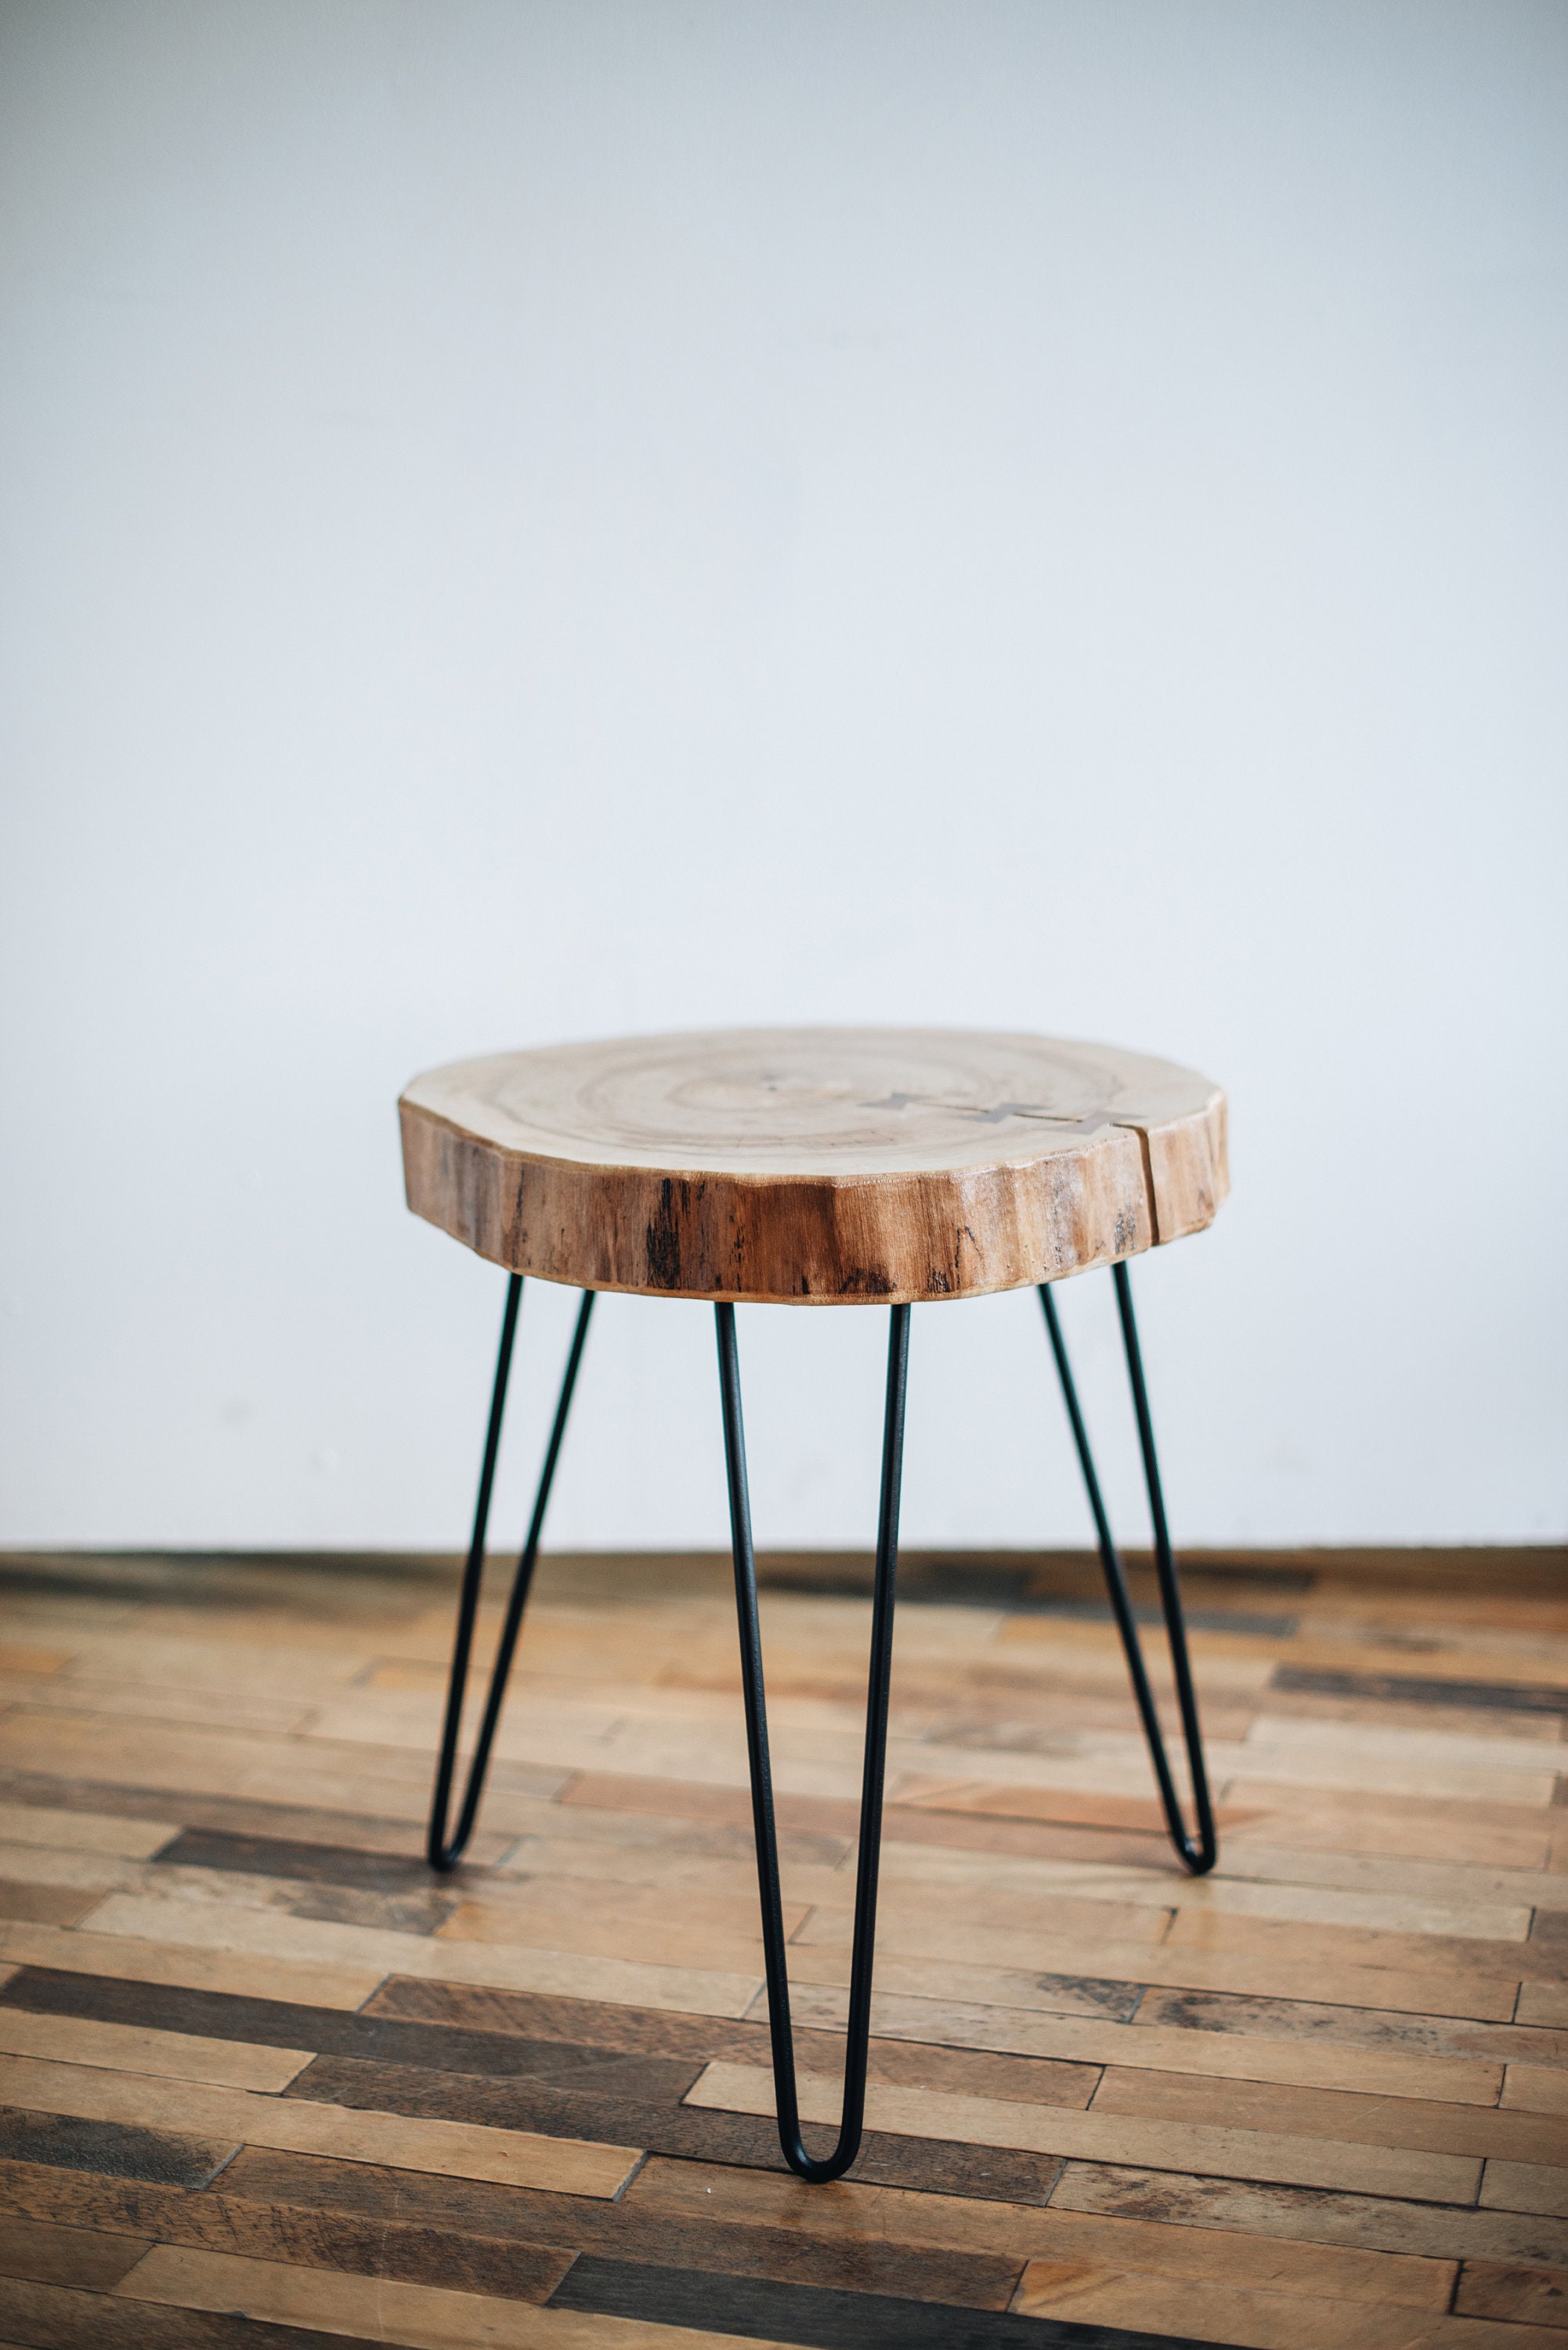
{"type": "Point", "coordinates": [43, 1904]}
{"type": "Point", "coordinates": [170, 2055]}
{"type": "Point", "coordinates": [1304, 2063]}
{"type": "Point", "coordinates": [473, 2237]}
{"type": "Point", "coordinates": [200, 1966]}
{"type": "Point", "coordinates": [1371, 2222]}
{"type": "Point", "coordinates": [1213, 2312]}
{"type": "Point", "coordinates": [1319, 2023]}
{"type": "Point", "coordinates": [56, 1830]}
{"type": "Point", "coordinates": [1530, 2296]}
{"type": "Point", "coordinates": [1538, 2088]}
{"type": "Point", "coordinates": [667, 2122]}
{"type": "Point", "coordinates": [38, 1864]}
{"type": "Point", "coordinates": [429, 2317]}
{"type": "Point", "coordinates": [257, 2056]}
{"type": "Point", "coordinates": [67, 2319]}
{"type": "Point", "coordinates": [1335, 2113]}
{"type": "Point", "coordinates": [48, 2254]}
{"type": "Point", "coordinates": [1430, 1949]}
{"type": "Point", "coordinates": [694, 1934]}
{"type": "Point", "coordinates": [497, 2036]}
{"type": "Point", "coordinates": [34, 1792]}
{"type": "Point", "coordinates": [658, 2293]}
{"type": "Point", "coordinates": [1211, 2148]}
{"type": "Point", "coordinates": [230, 1668]}
{"type": "Point", "coordinates": [385, 1781]}
{"type": "Point", "coordinates": [860, 2212]}
{"type": "Point", "coordinates": [1003, 2071]}
{"type": "Point", "coordinates": [910, 1929]}
{"type": "Point", "coordinates": [1527, 2187]}
{"type": "Point", "coordinates": [1457, 1885]}
{"type": "Point", "coordinates": [1470, 1711]}
{"type": "Point", "coordinates": [1124, 1905]}
{"type": "Point", "coordinates": [931, 1973]}
{"type": "Point", "coordinates": [1095, 1827]}
{"type": "Point", "coordinates": [468, 2150]}
{"type": "Point", "coordinates": [1461, 1925]}
{"type": "Point", "coordinates": [376, 1952]}
{"type": "Point", "coordinates": [110, 2149]}
{"type": "Point", "coordinates": [114, 1701]}
{"type": "Point", "coordinates": [29, 1659]}
{"type": "Point", "coordinates": [1251, 1878]}
{"type": "Point", "coordinates": [1478, 1756]}
{"type": "Point", "coordinates": [390, 2243]}
{"type": "Point", "coordinates": [1423, 1825]}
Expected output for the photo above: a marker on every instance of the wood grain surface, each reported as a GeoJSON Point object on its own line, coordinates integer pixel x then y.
{"type": "Point", "coordinates": [265, 2081]}
{"type": "Point", "coordinates": [814, 1166]}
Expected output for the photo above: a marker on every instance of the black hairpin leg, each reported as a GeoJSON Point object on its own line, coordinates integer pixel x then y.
{"type": "Point", "coordinates": [1198, 1851]}
{"type": "Point", "coordinates": [873, 1771]}
{"type": "Point", "coordinates": [443, 1853]}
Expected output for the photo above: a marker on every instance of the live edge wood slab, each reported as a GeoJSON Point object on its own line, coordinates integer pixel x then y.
{"type": "Point", "coordinates": [814, 1166]}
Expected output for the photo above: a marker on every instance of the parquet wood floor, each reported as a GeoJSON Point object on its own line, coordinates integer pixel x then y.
{"type": "Point", "coordinates": [265, 2081]}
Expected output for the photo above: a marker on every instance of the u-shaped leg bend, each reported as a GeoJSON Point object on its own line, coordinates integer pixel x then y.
{"type": "Point", "coordinates": [873, 1771]}
{"type": "Point", "coordinates": [1198, 1846]}
{"type": "Point", "coordinates": [444, 1852]}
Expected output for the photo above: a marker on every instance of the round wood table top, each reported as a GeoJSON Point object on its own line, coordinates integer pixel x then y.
{"type": "Point", "coordinates": [814, 1166]}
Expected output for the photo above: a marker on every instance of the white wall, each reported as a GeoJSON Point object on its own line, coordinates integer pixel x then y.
{"type": "Point", "coordinates": [536, 521]}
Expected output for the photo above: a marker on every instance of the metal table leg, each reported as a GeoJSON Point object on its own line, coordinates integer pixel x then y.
{"type": "Point", "coordinates": [873, 1771]}
{"type": "Point", "coordinates": [1198, 1850]}
{"type": "Point", "coordinates": [444, 1852]}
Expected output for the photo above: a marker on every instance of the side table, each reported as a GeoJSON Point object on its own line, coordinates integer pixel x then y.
{"type": "Point", "coordinates": [817, 1166]}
